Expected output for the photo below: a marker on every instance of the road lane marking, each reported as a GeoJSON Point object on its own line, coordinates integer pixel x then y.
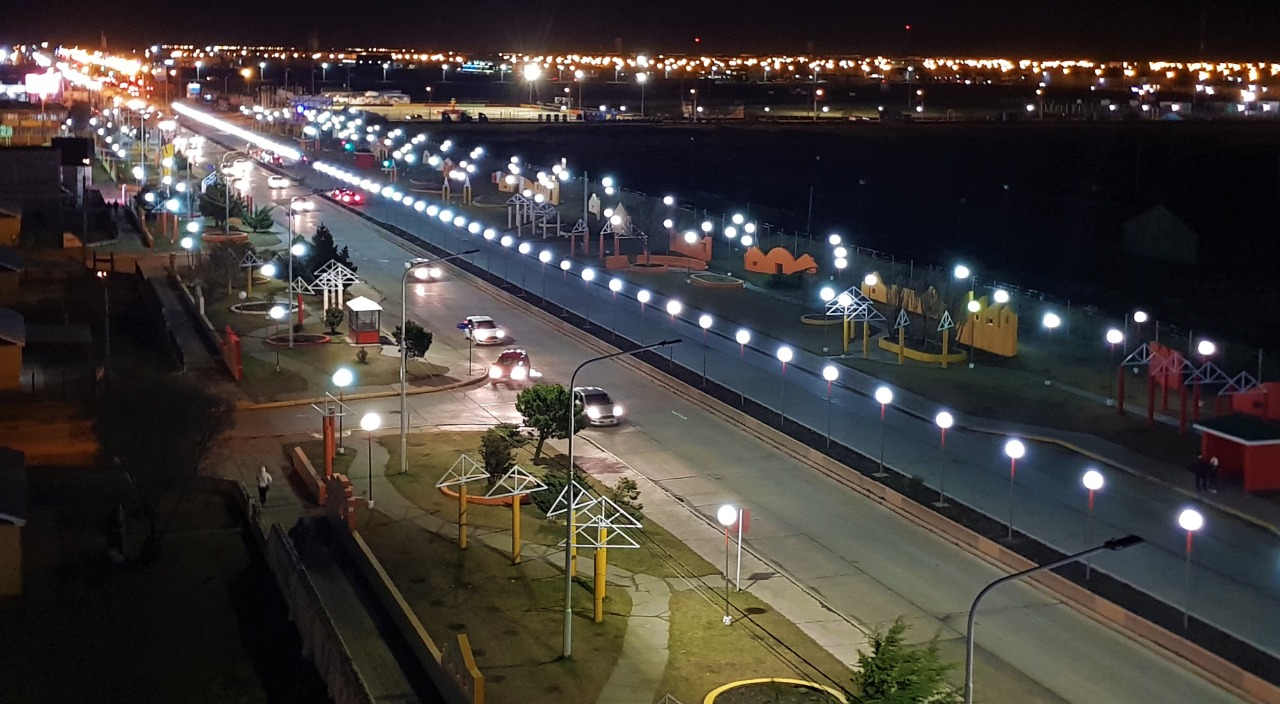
{"type": "Point", "coordinates": [677, 415]}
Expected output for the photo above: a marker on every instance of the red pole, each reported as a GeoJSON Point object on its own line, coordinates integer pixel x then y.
{"type": "Point", "coordinates": [1164, 391]}
{"type": "Point", "coordinates": [1013, 468]}
{"type": "Point", "coordinates": [944, 438]}
{"type": "Point", "coordinates": [1151, 400]}
{"type": "Point", "coordinates": [1120, 389]}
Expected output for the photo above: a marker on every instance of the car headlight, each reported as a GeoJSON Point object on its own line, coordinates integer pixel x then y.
{"type": "Point", "coordinates": [519, 373]}
{"type": "Point", "coordinates": [495, 372]}
{"type": "Point", "coordinates": [499, 333]}
{"type": "Point", "coordinates": [617, 410]}
{"type": "Point", "coordinates": [593, 412]}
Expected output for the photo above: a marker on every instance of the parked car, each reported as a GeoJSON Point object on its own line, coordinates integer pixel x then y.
{"type": "Point", "coordinates": [278, 181]}
{"type": "Point", "coordinates": [513, 369]}
{"type": "Point", "coordinates": [597, 405]}
{"type": "Point", "coordinates": [482, 330]}
{"type": "Point", "coordinates": [347, 196]}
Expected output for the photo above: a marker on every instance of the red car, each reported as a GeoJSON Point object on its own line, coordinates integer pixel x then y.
{"type": "Point", "coordinates": [348, 196]}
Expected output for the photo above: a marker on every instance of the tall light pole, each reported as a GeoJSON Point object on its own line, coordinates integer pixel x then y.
{"type": "Point", "coordinates": [830, 373]}
{"type": "Point", "coordinates": [579, 77]}
{"type": "Point", "coordinates": [532, 72]}
{"type": "Point", "coordinates": [570, 500]}
{"type": "Point", "coordinates": [944, 421]}
{"type": "Point", "coordinates": [727, 515]}
{"type": "Point", "coordinates": [784, 355]}
{"type": "Point", "coordinates": [1093, 481]}
{"type": "Point", "coordinates": [704, 322]}
{"type": "Point", "coordinates": [106, 320]}
{"type": "Point", "coordinates": [226, 189]}
{"type": "Point", "coordinates": [742, 337]}
{"type": "Point", "coordinates": [416, 266]}
{"type": "Point", "coordinates": [642, 78]}
{"type": "Point", "coordinates": [296, 249]}
{"type": "Point", "coordinates": [1014, 449]}
{"type": "Point", "coordinates": [1114, 545]}
{"type": "Point", "coordinates": [370, 422]}
{"type": "Point", "coordinates": [884, 396]}
{"type": "Point", "coordinates": [1191, 521]}
{"type": "Point", "coordinates": [342, 379]}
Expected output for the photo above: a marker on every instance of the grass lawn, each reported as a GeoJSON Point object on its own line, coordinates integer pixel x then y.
{"type": "Point", "coordinates": [204, 624]}
{"type": "Point", "coordinates": [510, 613]}
{"type": "Point", "coordinates": [430, 456]}
{"type": "Point", "coordinates": [704, 653]}
{"type": "Point", "coordinates": [341, 462]}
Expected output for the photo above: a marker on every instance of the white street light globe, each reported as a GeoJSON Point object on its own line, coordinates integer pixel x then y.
{"type": "Point", "coordinates": [785, 354]}
{"type": "Point", "coordinates": [749, 228]}
{"type": "Point", "coordinates": [674, 307]}
{"type": "Point", "coordinates": [506, 240]}
{"type": "Point", "coordinates": [1001, 296]}
{"type": "Point", "coordinates": [1051, 321]}
{"type": "Point", "coordinates": [668, 223]}
{"type": "Point", "coordinates": [370, 422]}
{"type": "Point", "coordinates": [1206, 348]}
{"type": "Point", "coordinates": [643, 296]}
{"type": "Point", "coordinates": [727, 515]}
{"type": "Point", "coordinates": [276, 312]}
{"type": "Point", "coordinates": [871, 280]}
{"type": "Point", "coordinates": [588, 274]}
{"type": "Point", "coordinates": [615, 284]}
{"type": "Point", "coordinates": [668, 200]}
{"type": "Point", "coordinates": [1139, 317]}
{"type": "Point", "coordinates": [747, 241]}
{"type": "Point", "coordinates": [565, 264]}
{"type": "Point", "coordinates": [844, 300]}
{"type": "Point", "coordinates": [833, 240]}
{"type": "Point", "coordinates": [826, 293]}
{"type": "Point", "coordinates": [544, 256]}
{"type": "Point", "coordinates": [944, 420]}
{"type": "Point", "coordinates": [743, 336]}
{"type": "Point", "coordinates": [607, 182]}
{"type": "Point", "coordinates": [830, 372]}
{"type": "Point", "coordinates": [1093, 480]}
{"type": "Point", "coordinates": [268, 270]}
{"type": "Point", "coordinates": [738, 219]}
{"type": "Point", "coordinates": [691, 237]}
{"type": "Point", "coordinates": [524, 248]}
{"type": "Point", "coordinates": [1190, 520]}
{"type": "Point", "coordinates": [187, 243]}
{"type": "Point", "coordinates": [343, 377]}
{"type": "Point", "coordinates": [707, 227]}
{"type": "Point", "coordinates": [1114, 336]}
{"type": "Point", "coordinates": [961, 271]}
{"type": "Point", "coordinates": [1014, 449]}
{"type": "Point", "coordinates": [841, 263]}
{"type": "Point", "coordinates": [704, 321]}
{"type": "Point", "coordinates": [884, 395]}
{"type": "Point", "coordinates": [731, 232]}
{"type": "Point", "coordinates": [298, 249]}
{"type": "Point", "coordinates": [840, 252]}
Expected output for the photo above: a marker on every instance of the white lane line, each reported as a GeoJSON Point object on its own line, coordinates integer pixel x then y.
{"type": "Point", "coordinates": [677, 415]}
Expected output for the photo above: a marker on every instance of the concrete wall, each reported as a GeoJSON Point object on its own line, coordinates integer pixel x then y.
{"type": "Point", "coordinates": [10, 560]}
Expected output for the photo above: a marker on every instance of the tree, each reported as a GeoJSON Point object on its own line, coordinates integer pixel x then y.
{"type": "Point", "coordinates": [219, 268]}
{"type": "Point", "coordinates": [417, 339]}
{"type": "Point", "coordinates": [323, 250]}
{"type": "Point", "coordinates": [496, 446]}
{"type": "Point", "coordinates": [213, 202]}
{"type": "Point", "coordinates": [892, 672]}
{"type": "Point", "coordinates": [259, 219]}
{"type": "Point", "coordinates": [545, 408]}
{"type": "Point", "coordinates": [626, 493]}
{"type": "Point", "coordinates": [160, 430]}
{"type": "Point", "coordinates": [333, 317]}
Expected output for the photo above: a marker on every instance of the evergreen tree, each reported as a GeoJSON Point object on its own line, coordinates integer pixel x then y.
{"type": "Point", "coordinates": [323, 250]}
{"type": "Point", "coordinates": [892, 672]}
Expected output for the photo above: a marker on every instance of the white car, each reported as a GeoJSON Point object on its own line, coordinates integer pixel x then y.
{"type": "Point", "coordinates": [482, 330]}
{"type": "Point", "coordinates": [278, 181]}
{"type": "Point", "coordinates": [598, 406]}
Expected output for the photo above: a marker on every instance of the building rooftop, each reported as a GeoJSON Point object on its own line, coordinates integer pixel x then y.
{"type": "Point", "coordinates": [1243, 428]}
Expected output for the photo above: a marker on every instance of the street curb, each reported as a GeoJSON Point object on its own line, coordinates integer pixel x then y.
{"type": "Point", "coordinates": [247, 406]}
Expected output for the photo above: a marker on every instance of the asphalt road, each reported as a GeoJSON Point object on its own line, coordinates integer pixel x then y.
{"type": "Point", "coordinates": [867, 563]}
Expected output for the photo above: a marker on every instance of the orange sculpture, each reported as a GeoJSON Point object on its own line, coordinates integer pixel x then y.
{"type": "Point", "coordinates": [700, 249]}
{"type": "Point", "coordinates": [778, 261]}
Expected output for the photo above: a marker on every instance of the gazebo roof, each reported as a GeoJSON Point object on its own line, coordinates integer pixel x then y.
{"type": "Point", "coordinates": [360, 304]}
{"type": "Point", "coordinates": [1242, 428]}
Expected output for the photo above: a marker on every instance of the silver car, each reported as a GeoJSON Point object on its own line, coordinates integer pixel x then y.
{"type": "Point", "coordinates": [598, 406]}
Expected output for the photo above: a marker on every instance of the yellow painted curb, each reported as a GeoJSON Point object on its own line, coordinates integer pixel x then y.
{"type": "Point", "coordinates": [711, 697]}
{"type": "Point", "coordinates": [246, 406]}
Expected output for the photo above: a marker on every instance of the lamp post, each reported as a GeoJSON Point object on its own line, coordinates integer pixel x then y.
{"type": "Point", "coordinates": [704, 322]}
{"type": "Point", "coordinates": [1014, 449]}
{"type": "Point", "coordinates": [1093, 481]}
{"type": "Point", "coordinates": [743, 336]}
{"type": "Point", "coordinates": [532, 72]}
{"type": "Point", "coordinates": [106, 320]}
{"type": "Point", "coordinates": [296, 249]}
{"type": "Point", "coordinates": [830, 373]}
{"type": "Point", "coordinates": [642, 78]}
{"type": "Point", "coordinates": [416, 266]}
{"type": "Point", "coordinates": [615, 285]}
{"type": "Point", "coordinates": [973, 307]}
{"type": "Point", "coordinates": [342, 379]}
{"type": "Point", "coordinates": [187, 244]}
{"type": "Point", "coordinates": [673, 309]}
{"type": "Point", "coordinates": [1191, 521]}
{"type": "Point", "coordinates": [370, 422]}
{"type": "Point", "coordinates": [1114, 545]}
{"type": "Point", "coordinates": [1114, 337]}
{"type": "Point", "coordinates": [643, 296]}
{"type": "Point", "coordinates": [944, 421]}
{"type": "Point", "coordinates": [588, 275]}
{"type": "Point", "coordinates": [884, 396]}
{"type": "Point", "coordinates": [226, 189]}
{"type": "Point", "coordinates": [785, 355]}
{"type": "Point", "coordinates": [567, 650]}
{"type": "Point", "coordinates": [579, 77]}
{"type": "Point", "coordinates": [727, 515]}
{"type": "Point", "coordinates": [543, 257]}
{"type": "Point", "coordinates": [277, 313]}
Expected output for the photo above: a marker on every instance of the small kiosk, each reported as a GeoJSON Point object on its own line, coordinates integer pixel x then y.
{"type": "Point", "coordinates": [364, 321]}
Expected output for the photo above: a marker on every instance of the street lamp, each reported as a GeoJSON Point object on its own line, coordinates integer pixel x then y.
{"type": "Point", "coordinates": [1051, 321]}
{"type": "Point", "coordinates": [785, 355]}
{"type": "Point", "coordinates": [1114, 337]}
{"type": "Point", "coordinates": [370, 422]}
{"type": "Point", "coordinates": [106, 317]}
{"type": "Point", "coordinates": [642, 78]}
{"type": "Point", "coordinates": [1205, 348]}
{"type": "Point", "coordinates": [416, 266]}
{"type": "Point", "coordinates": [1014, 449]}
{"type": "Point", "coordinates": [1093, 481]}
{"type": "Point", "coordinates": [277, 313]}
{"type": "Point", "coordinates": [944, 421]}
{"type": "Point", "coordinates": [342, 379]}
{"type": "Point", "coordinates": [1191, 521]}
{"type": "Point", "coordinates": [830, 372]}
{"type": "Point", "coordinates": [883, 396]}
{"type": "Point", "coordinates": [296, 249]}
{"type": "Point", "coordinates": [727, 515]}
{"type": "Point", "coordinates": [187, 244]}
{"type": "Point", "coordinates": [571, 501]}
{"type": "Point", "coordinates": [1114, 545]}
{"type": "Point", "coordinates": [704, 322]}
{"type": "Point", "coordinates": [532, 72]}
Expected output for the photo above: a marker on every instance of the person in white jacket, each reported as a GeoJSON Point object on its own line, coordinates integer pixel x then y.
{"type": "Point", "coordinates": [264, 483]}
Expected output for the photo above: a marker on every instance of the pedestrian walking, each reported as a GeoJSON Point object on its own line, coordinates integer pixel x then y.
{"type": "Point", "coordinates": [1200, 468]}
{"type": "Point", "coordinates": [264, 483]}
{"type": "Point", "coordinates": [1211, 481]}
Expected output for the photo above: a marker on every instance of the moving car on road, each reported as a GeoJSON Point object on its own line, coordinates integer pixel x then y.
{"type": "Point", "coordinates": [598, 406]}
{"type": "Point", "coordinates": [347, 196]}
{"type": "Point", "coordinates": [278, 181]}
{"type": "Point", "coordinates": [513, 369]}
{"type": "Point", "coordinates": [482, 330]}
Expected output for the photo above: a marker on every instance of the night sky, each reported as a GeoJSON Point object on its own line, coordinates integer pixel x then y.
{"type": "Point", "coordinates": [1107, 29]}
